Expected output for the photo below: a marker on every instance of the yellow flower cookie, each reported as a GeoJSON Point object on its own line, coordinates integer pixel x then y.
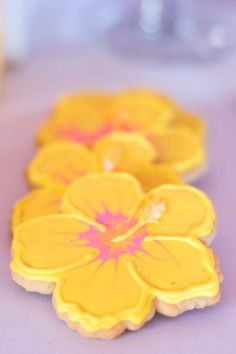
{"type": "Point", "coordinates": [87, 117]}
{"type": "Point", "coordinates": [61, 163]}
{"type": "Point", "coordinates": [116, 255]}
{"type": "Point", "coordinates": [176, 135]}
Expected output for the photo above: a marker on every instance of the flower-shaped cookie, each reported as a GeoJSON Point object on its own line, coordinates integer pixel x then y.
{"type": "Point", "coordinates": [176, 135]}
{"type": "Point", "coordinates": [151, 112]}
{"type": "Point", "coordinates": [115, 255]}
{"type": "Point", "coordinates": [58, 165]}
{"type": "Point", "coordinates": [128, 151]}
{"type": "Point", "coordinates": [86, 118]}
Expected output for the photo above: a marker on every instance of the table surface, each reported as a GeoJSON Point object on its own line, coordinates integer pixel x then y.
{"type": "Point", "coordinates": [28, 323]}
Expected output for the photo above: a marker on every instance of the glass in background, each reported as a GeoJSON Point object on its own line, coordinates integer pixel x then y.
{"type": "Point", "coordinates": [172, 30]}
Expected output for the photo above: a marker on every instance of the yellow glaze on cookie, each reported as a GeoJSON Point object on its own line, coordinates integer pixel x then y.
{"type": "Point", "coordinates": [189, 122]}
{"type": "Point", "coordinates": [90, 100]}
{"type": "Point", "coordinates": [57, 165]}
{"type": "Point", "coordinates": [124, 152]}
{"type": "Point", "coordinates": [144, 110]}
{"type": "Point", "coordinates": [37, 203]}
{"type": "Point", "coordinates": [63, 162]}
{"type": "Point", "coordinates": [185, 210]}
{"type": "Point", "coordinates": [106, 264]}
{"type": "Point", "coordinates": [87, 117]}
{"type": "Point", "coordinates": [188, 211]}
{"type": "Point", "coordinates": [80, 118]}
{"type": "Point", "coordinates": [176, 135]}
{"type": "Point", "coordinates": [154, 175]}
{"type": "Point", "coordinates": [180, 149]}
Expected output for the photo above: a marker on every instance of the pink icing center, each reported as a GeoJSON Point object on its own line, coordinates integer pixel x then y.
{"type": "Point", "coordinates": [78, 135]}
{"type": "Point", "coordinates": [116, 225]}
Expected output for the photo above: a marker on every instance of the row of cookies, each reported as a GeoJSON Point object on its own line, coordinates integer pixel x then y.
{"type": "Point", "coordinates": [110, 227]}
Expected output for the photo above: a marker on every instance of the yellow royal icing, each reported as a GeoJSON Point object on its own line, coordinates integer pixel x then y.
{"type": "Point", "coordinates": [89, 100]}
{"type": "Point", "coordinates": [79, 118]}
{"type": "Point", "coordinates": [176, 135]}
{"type": "Point", "coordinates": [40, 202]}
{"type": "Point", "coordinates": [60, 164]}
{"type": "Point", "coordinates": [85, 118]}
{"type": "Point", "coordinates": [152, 112]}
{"type": "Point", "coordinates": [107, 264]}
{"type": "Point", "coordinates": [141, 110]}
{"type": "Point", "coordinates": [153, 175]}
{"type": "Point", "coordinates": [180, 149]}
{"type": "Point", "coordinates": [127, 152]}
{"type": "Point", "coordinates": [63, 162]}
{"type": "Point", "coordinates": [189, 122]}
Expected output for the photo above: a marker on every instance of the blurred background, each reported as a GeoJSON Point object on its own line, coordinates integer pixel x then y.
{"type": "Point", "coordinates": [65, 45]}
{"type": "Point", "coordinates": [153, 29]}
{"type": "Point", "coordinates": [114, 43]}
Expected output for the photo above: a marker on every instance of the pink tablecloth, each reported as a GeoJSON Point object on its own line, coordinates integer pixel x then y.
{"type": "Point", "coordinates": [28, 323]}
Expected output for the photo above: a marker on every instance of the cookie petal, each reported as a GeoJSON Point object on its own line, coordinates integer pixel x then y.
{"type": "Point", "coordinates": [100, 296]}
{"type": "Point", "coordinates": [123, 152]}
{"type": "Point", "coordinates": [49, 245]}
{"type": "Point", "coordinates": [189, 122]}
{"type": "Point", "coordinates": [141, 110]}
{"type": "Point", "coordinates": [60, 164]}
{"type": "Point", "coordinates": [180, 149]}
{"type": "Point", "coordinates": [106, 198]}
{"type": "Point", "coordinates": [78, 118]}
{"type": "Point", "coordinates": [177, 269]}
{"type": "Point", "coordinates": [154, 175]}
{"type": "Point", "coordinates": [39, 202]}
{"type": "Point", "coordinates": [182, 210]}
{"type": "Point", "coordinates": [92, 100]}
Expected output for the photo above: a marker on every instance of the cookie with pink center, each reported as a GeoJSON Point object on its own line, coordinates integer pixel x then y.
{"type": "Point", "coordinates": [58, 165]}
{"type": "Point", "coordinates": [177, 136]}
{"type": "Point", "coordinates": [116, 255]}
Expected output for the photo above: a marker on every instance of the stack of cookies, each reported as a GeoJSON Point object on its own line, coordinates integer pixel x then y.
{"type": "Point", "coordinates": [110, 226]}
